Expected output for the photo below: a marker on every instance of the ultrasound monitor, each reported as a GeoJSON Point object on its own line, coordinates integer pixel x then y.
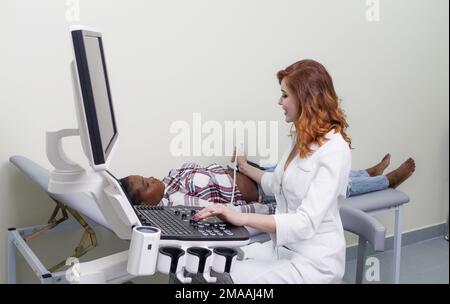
{"type": "Point", "coordinates": [95, 112]}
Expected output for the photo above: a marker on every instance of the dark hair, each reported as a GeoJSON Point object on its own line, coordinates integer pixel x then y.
{"type": "Point", "coordinates": [129, 191]}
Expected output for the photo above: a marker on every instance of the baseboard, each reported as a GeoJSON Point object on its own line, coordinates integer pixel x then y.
{"type": "Point", "coordinates": [408, 238]}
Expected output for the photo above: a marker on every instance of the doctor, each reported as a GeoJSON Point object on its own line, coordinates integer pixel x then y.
{"type": "Point", "coordinates": [307, 239]}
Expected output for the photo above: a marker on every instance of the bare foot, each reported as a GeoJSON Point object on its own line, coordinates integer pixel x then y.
{"type": "Point", "coordinates": [402, 173]}
{"type": "Point", "coordinates": [379, 168]}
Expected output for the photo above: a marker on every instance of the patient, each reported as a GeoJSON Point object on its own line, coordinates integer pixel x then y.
{"type": "Point", "coordinates": [194, 185]}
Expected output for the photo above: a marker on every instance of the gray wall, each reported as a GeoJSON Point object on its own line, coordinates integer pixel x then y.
{"type": "Point", "coordinates": [168, 59]}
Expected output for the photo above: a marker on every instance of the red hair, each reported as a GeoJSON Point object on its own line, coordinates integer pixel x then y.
{"type": "Point", "coordinates": [319, 110]}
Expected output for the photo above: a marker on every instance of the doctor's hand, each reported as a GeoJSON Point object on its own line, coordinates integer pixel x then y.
{"type": "Point", "coordinates": [241, 158]}
{"type": "Point", "coordinates": [222, 212]}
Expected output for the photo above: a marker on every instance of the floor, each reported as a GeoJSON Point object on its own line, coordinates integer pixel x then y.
{"type": "Point", "coordinates": [425, 262]}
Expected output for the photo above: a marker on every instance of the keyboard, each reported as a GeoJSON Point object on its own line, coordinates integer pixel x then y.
{"type": "Point", "coordinates": [176, 223]}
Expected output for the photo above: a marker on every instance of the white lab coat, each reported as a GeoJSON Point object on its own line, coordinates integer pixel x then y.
{"type": "Point", "coordinates": [309, 243]}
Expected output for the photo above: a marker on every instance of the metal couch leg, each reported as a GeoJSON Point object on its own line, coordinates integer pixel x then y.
{"type": "Point", "coordinates": [11, 258]}
{"type": "Point", "coordinates": [397, 244]}
{"type": "Point", "coordinates": [360, 261]}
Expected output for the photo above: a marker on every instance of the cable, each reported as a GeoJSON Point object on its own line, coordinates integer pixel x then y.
{"type": "Point", "coordinates": [234, 174]}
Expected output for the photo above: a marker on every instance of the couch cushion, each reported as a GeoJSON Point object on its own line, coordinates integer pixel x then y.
{"type": "Point", "coordinates": [377, 200]}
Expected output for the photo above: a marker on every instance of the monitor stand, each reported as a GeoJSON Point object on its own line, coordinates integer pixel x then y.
{"type": "Point", "coordinates": [68, 176]}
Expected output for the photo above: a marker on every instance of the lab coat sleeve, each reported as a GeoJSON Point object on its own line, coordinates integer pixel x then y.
{"type": "Point", "coordinates": [320, 197]}
{"type": "Point", "coordinates": [267, 181]}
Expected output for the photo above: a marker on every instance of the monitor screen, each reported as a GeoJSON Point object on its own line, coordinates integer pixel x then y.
{"type": "Point", "coordinates": [95, 92]}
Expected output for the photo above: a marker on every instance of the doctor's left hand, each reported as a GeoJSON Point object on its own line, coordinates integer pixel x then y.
{"type": "Point", "coordinates": [241, 157]}
{"type": "Point", "coordinates": [222, 212]}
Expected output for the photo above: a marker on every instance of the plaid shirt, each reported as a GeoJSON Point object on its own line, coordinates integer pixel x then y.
{"type": "Point", "coordinates": [193, 185]}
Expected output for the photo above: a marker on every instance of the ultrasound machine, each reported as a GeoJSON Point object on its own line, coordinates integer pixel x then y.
{"type": "Point", "coordinates": [162, 239]}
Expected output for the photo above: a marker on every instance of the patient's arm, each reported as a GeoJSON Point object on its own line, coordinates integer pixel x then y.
{"type": "Point", "coordinates": [181, 199]}
{"type": "Point", "coordinates": [256, 207]}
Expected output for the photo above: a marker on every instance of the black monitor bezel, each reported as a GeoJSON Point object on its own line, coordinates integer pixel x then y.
{"type": "Point", "coordinates": [99, 154]}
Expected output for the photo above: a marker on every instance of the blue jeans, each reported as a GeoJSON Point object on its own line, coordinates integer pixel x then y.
{"type": "Point", "coordinates": [361, 182]}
